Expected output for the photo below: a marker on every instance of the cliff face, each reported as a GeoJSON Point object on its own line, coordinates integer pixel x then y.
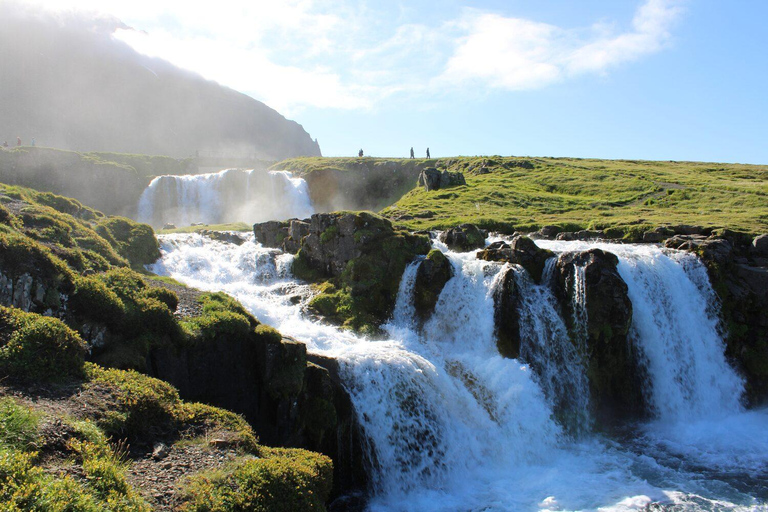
{"type": "Point", "coordinates": [70, 85]}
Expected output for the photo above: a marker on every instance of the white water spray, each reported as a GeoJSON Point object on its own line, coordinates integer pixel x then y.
{"type": "Point", "coordinates": [231, 195]}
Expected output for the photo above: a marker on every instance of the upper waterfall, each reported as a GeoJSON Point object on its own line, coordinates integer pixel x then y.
{"type": "Point", "coordinates": [227, 196]}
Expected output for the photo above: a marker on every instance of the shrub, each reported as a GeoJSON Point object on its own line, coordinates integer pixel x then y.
{"type": "Point", "coordinates": [215, 323]}
{"type": "Point", "coordinates": [164, 295]}
{"type": "Point", "coordinates": [282, 481]}
{"type": "Point", "coordinates": [135, 241]}
{"type": "Point", "coordinates": [38, 347]}
{"type": "Point", "coordinates": [196, 416]}
{"type": "Point", "coordinates": [145, 404]}
{"type": "Point", "coordinates": [92, 299]}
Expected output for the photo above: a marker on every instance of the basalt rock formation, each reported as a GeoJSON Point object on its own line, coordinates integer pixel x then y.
{"type": "Point", "coordinates": [431, 277]}
{"type": "Point", "coordinates": [612, 365]}
{"type": "Point", "coordinates": [522, 251]}
{"type": "Point", "coordinates": [463, 238]}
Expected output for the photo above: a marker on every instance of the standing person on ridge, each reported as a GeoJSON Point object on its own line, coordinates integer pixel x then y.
{"type": "Point", "coordinates": [412, 152]}
{"type": "Point", "coordinates": [428, 157]}
{"type": "Point", "coordinates": [360, 153]}
{"type": "Point", "coordinates": [18, 141]}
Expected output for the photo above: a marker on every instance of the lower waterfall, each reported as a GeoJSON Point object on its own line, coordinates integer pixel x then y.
{"type": "Point", "coordinates": [456, 427]}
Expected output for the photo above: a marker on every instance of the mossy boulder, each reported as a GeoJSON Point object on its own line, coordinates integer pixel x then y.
{"type": "Point", "coordinates": [522, 251]}
{"type": "Point", "coordinates": [433, 273]}
{"type": "Point", "coordinates": [134, 241]}
{"type": "Point", "coordinates": [364, 257]}
{"type": "Point", "coordinates": [37, 347]}
{"type": "Point", "coordinates": [463, 238]}
{"type": "Point", "coordinates": [613, 368]}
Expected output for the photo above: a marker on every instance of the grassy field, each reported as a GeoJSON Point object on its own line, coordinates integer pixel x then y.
{"type": "Point", "coordinates": [510, 193]}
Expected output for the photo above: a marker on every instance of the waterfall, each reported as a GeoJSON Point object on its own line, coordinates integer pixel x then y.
{"type": "Point", "coordinates": [454, 426]}
{"type": "Point", "coordinates": [545, 344]}
{"type": "Point", "coordinates": [227, 196]}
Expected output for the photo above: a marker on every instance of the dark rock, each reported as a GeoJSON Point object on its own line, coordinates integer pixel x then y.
{"type": "Point", "coordinates": [760, 245]}
{"type": "Point", "coordinates": [271, 233]}
{"type": "Point", "coordinates": [432, 179]}
{"type": "Point", "coordinates": [506, 315]}
{"type": "Point", "coordinates": [612, 365]}
{"type": "Point", "coordinates": [521, 251]}
{"type": "Point", "coordinates": [431, 277]}
{"type": "Point", "coordinates": [547, 232]}
{"type": "Point", "coordinates": [584, 234]}
{"type": "Point", "coordinates": [223, 236]}
{"type": "Point", "coordinates": [160, 451]}
{"type": "Point", "coordinates": [685, 229]}
{"type": "Point", "coordinates": [168, 225]}
{"type": "Point", "coordinates": [337, 434]}
{"type": "Point", "coordinates": [463, 238]}
{"type": "Point", "coordinates": [657, 234]}
{"type": "Point", "coordinates": [366, 258]}
{"type": "Point", "coordinates": [297, 230]}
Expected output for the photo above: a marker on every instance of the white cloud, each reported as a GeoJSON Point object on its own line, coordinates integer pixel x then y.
{"type": "Point", "coordinates": [348, 54]}
{"type": "Point", "coordinates": [516, 54]}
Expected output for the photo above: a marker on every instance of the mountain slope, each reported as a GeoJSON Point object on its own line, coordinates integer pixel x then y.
{"type": "Point", "coordinates": [69, 84]}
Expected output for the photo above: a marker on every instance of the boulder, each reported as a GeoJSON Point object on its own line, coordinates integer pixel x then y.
{"type": "Point", "coordinates": [584, 234]}
{"type": "Point", "coordinates": [364, 257]}
{"type": "Point", "coordinates": [297, 230]}
{"type": "Point", "coordinates": [431, 277]}
{"type": "Point", "coordinates": [760, 245]}
{"type": "Point", "coordinates": [228, 237]}
{"type": "Point", "coordinates": [657, 235]}
{"type": "Point", "coordinates": [271, 233]}
{"type": "Point", "coordinates": [612, 364]}
{"type": "Point", "coordinates": [522, 251]}
{"type": "Point", "coordinates": [432, 179]}
{"type": "Point", "coordinates": [546, 233]}
{"type": "Point", "coordinates": [463, 238]}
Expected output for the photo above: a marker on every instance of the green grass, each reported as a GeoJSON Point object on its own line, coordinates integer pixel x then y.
{"type": "Point", "coordinates": [234, 226]}
{"type": "Point", "coordinates": [528, 193]}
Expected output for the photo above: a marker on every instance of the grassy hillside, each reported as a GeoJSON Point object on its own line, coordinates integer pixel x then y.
{"type": "Point", "coordinates": [511, 193]}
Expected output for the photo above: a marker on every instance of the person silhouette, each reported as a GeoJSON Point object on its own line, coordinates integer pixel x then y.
{"type": "Point", "coordinates": [360, 153]}
{"type": "Point", "coordinates": [412, 152]}
{"type": "Point", "coordinates": [428, 153]}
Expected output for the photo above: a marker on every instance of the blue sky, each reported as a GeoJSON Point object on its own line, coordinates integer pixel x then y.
{"type": "Point", "coordinates": [639, 79]}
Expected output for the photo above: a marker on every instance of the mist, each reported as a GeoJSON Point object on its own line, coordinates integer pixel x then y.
{"type": "Point", "coordinates": [65, 81]}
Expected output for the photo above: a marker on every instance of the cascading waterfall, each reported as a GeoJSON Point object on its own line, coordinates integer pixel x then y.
{"type": "Point", "coordinates": [546, 346]}
{"type": "Point", "coordinates": [226, 196]}
{"type": "Point", "coordinates": [454, 426]}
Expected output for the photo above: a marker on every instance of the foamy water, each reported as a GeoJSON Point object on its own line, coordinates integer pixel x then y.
{"type": "Point", "coordinates": [457, 427]}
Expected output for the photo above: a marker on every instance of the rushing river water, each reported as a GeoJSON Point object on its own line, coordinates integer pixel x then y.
{"type": "Point", "coordinates": [457, 427]}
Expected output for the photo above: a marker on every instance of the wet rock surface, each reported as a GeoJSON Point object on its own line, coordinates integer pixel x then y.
{"type": "Point", "coordinates": [522, 251]}
{"type": "Point", "coordinates": [464, 238]}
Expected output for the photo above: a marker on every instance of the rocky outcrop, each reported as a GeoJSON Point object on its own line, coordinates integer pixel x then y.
{"type": "Point", "coordinates": [286, 235]}
{"type": "Point", "coordinates": [228, 237]}
{"type": "Point", "coordinates": [522, 251]}
{"type": "Point", "coordinates": [612, 365]}
{"type": "Point", "coordinates": [760, 246]}
{"type": "Point", "coordinates": [546, 233]}
{"type": "Point", "coordinates": [584, 234]}
{"type": "Point", "coordinates": [431, 277]}
{"type": "Point", "coordinates": [432, 179]}
{"type": "Point", "coordinates": [463, 238]}
{"type": "Point", "coordinates": [361, 257]}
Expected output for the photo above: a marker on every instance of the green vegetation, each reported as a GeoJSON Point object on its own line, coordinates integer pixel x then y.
{"type": "Point", "coordinates": [37, 347]}
{"type": "Point", "coordinates": [234, 226]}
{"type": "Point", "coordinates": [284, 480]}
{"type": "Point", "coordinates": [628, 196]}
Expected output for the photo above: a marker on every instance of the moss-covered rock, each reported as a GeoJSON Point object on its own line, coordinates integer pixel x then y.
{"type": "Point", "coordinates": [134, 241]}
{"type": "Point", "coordinates": [364, 257]}
{"type": "Point", "coordinates": [522, 251]}
{"type": "Point", "coordinates": [38, 347]}
{"type": "Point", "coordinates": [463, 238]}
